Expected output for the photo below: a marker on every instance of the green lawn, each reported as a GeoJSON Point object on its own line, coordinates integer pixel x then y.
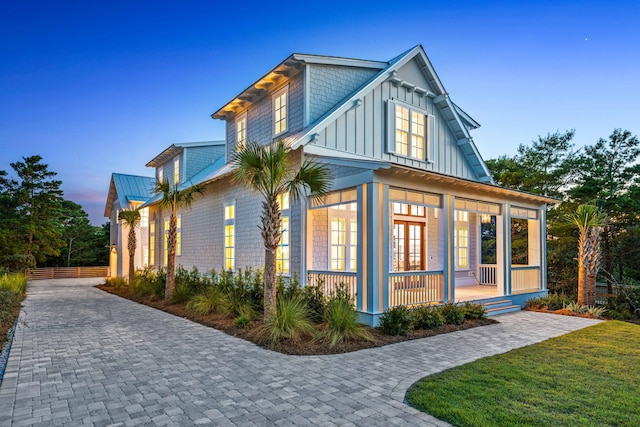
{"type": "Point", "coordinates": [589, 377]}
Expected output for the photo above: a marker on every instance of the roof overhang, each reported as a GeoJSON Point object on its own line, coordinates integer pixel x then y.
{"type": "Point", "coordinates": [280, 73]}
{"type": "Point", "coordinates": [467, 185]}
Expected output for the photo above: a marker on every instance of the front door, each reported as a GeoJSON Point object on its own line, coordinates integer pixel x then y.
{"type": "Point", "coordinates": [408, 246]}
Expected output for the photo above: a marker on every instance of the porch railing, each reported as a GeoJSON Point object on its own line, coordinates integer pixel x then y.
{"type": "Point", "coordinates": [331, 280]}
{"type": "Point", "coordinates": [487, 274]}
{"type": "Point", "coordinates": [415, 287]}
{"type": "Point", "coordinates": [525, 278]}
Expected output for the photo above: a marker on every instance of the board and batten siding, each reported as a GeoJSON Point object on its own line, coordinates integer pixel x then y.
{"type": "Point", "coordinates": [363, 130]}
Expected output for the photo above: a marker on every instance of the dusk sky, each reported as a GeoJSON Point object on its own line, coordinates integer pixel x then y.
{"type": "Point", "coordinates": [102, 87]}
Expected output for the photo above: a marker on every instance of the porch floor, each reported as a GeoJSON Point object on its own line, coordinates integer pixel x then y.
{"type": "Point", "coordinates": [475, 292]}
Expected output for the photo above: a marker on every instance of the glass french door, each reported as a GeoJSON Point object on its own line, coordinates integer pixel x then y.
{"type": "Point", "coordinates": [408, 246]}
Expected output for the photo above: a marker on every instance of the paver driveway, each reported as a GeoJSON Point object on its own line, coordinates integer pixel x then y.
{"type": "Point", "coordinates": [82, 357]}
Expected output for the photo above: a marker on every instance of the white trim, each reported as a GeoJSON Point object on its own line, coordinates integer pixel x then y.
{"type": "Point", "coordinates": [240, 117]}
{"type": "Point", "coordinates": [277, 94]}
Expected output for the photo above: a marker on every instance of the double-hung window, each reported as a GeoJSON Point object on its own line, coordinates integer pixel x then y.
{"type": "Point", "coordinates": [160, 174]}
{"type": "Point", "coordinates": [152, 243]}
{"type": "Point", "coordinates": [283, 264]}
{"type": "Point", "coordinates": [166, 241]}
{"type": "Point", "coordinates": [176, 170]}
{"type": "Point", "coordinates": [280, 111]}
{"type": "Point", "coordinates": [229, 236]}
{"type": "Point", "coordinates": [461, 239]}
{"type": "Point", "coordinates": [241, 132]}
{"type": "Point", "coordinates": [411, 131]}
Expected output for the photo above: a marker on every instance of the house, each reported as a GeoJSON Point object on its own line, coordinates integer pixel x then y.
{"type": "Point", "coordinates": [127, 192]}
{"type": "Point", "coordinates": [413, 217]}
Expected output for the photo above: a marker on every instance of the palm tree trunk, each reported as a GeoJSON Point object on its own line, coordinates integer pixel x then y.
{"type": "Point", "coordinates": [131, 246]}
{"type": "Point", "coordinates": [271, 236]}
{"type": "Point", "coordinates": [582, 285]}
{"type": "Point", "coordinates": [170, 287]}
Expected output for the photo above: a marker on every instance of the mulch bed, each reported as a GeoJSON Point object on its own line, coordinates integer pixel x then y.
{"type": "Point", "coordinates": [301, 347]}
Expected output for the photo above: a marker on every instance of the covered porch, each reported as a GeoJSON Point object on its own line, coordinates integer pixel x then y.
{"type": "Point", "coordinates": [392, 246]}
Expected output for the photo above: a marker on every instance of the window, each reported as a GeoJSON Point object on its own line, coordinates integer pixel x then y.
{"type": "Point", "coordinates": [280, 111]}
{"type": "Point", "coordinates": [229, 236]}
{"type": "Point", "coordinates": [283, 265]}
{"type": "Point", "coordinates": [160, 174]}
{"type": "Point", "coordinates": [241, 132]}
{"type": "Point", "coordinates": [343, 237]}
{"type": "Point", "coordinates": [152, 243]}
{"type": "Point", "coordinates": [410, 132]}
{"type": "Point", "coordinates": [461, 239]}
{"type": "Point", "coordinates": [176, 170]}
{"type": "Point", "coordinates": [179, 236]}
{"type": "Point", "coordinates": [166, 241]}
{"type": "Point", "coordinates": [144, 217]}
{"type": "Point", "coordinates": [409, 210]}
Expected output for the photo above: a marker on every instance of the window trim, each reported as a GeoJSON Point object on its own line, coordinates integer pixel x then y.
{"type": "Point", "coordinates": [284, 90]}
{"type": "Point", "coordinates": [285, 213]}
{"type": "Point", "coordinates": [152, 243]}
{"type": "Point", "coordinates": [176, 170]}
{"type": "Point", "coordinates": [350, 217]}
{"type": "Point", "coordinates": [229, 222]}
{"type": "Point", "coordinates": [240, 118]}
{"type": "Point", "coordinates": [429, 131]}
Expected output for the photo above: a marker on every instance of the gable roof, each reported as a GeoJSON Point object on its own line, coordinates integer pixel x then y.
{"type": "Point", "coordinates": [454, 116]}
{"type": "Point", "coordinates": [128, 188]}
{"type": "Point", "coordinates": [177, 148]}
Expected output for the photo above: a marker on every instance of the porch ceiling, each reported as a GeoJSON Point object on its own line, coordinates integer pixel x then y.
{"type": "Point", "coordinates": [467, 185]}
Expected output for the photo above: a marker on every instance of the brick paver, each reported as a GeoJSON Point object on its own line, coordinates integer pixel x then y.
{"type": "Point", "coordinates": [85, 357]}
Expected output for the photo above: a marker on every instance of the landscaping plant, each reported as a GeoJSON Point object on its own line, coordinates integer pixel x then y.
{"type": "Point", "coordinates": [396, 321]}
{"type": "Point", "coordinates": [341, 320]}
{"type": "Point", "coordinates": [453, 314]}
{"type": "Point", "coordinates": [427, 317]}
{"type": "Point", "coordinates": [290, 320]}
{"type": "Point", "coordinates": [473, 311]}
{"type": "Point", "coordinates": [211, 300]}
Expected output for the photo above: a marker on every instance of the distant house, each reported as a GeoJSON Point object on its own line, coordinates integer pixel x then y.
{"type": "Point", "coordinates": [127, 192]}
{"type": "Point", "coordinates": [413, 217]}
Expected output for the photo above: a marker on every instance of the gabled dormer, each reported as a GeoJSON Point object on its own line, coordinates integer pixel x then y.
{"type": "Point", "coordinates": [180, 161]}
{"type": "Point", "coordinates": [396, 112]}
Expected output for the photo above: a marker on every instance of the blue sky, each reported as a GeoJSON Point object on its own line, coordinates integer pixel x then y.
{"type": "Point", "coordinates": [101, 87]}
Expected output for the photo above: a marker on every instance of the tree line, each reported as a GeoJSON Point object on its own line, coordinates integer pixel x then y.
{"type": "Point", "coordinates": [39, 227]}
{"type": "Point", "coordinates": [605, 175]}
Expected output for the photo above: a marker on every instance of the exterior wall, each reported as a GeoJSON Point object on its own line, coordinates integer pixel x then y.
{"type": "Point", "coordinates": [330, 84]}
{"type": "Point", "coordinates": [260, 116]}
{"type": "Point", "coordinates": [197, 158]}
{"type": "Point", "coordinates": [363, 130]}
{"type": "Point", "coordinates": [202, 229]}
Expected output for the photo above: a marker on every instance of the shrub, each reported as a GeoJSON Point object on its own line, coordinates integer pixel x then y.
{"type": "Point", "coordinates": [453, 314]}
{"type": "Point", "coordinates": [16, 282]}
{"type": "Point", "coordinates": [342, 321]}
{"type": "Point", "coordinates": [148, 282]}
{"type": "Point", "coordinates": [9, 306]}
{"type": "Point", "coordinates": [182, 294]}
{"type": "Point", "coordinates": [242, 288]}
{"type": "Point", "coordinates": [598, 312]}
{"type": "Point", "coordinates": [289, 321]}
{"type": "Point", "coordinates": [473, 311]}
{"type": "Point", "coordinates": [426, 317]}
{"type": "Point", "coordinates": [212, 300]}
{"type": "Point", "coordinates": [551, 302]}
{"type": "Point", "coordinates": [245, 316]}
{"type": "Point", "coordinates": [396, 321]}
{"type": "Point", "coordinates": [116, 282]}
{"type": "Point", "coordinates": [316, 301]}
{"type": "Point", "coordinates": [574, 307]}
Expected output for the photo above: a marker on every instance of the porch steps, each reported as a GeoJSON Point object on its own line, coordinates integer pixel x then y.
{"type": "Point", "coordinates": [494, 308]}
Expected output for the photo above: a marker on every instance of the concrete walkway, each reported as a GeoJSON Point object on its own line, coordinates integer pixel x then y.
{"type": "Point", "coordinates": [85, 357]}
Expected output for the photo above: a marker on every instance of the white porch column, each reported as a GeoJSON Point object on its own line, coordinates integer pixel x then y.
{"type": "Point", "coordinates": [373, 248]}
{"type": "Point", "coordinates": [449, 247]}
{"type": "Point", "coordinates": [506, 249]}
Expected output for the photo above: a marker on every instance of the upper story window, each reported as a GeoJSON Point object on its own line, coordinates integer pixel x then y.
{"type": "Point", "coordinates": [410, 132]}
{"type": "Point", "coordinates": [229, 236]}
{"type": "Point", "coordinates": [280, 111]}
{"type": "Point", "coordinates": [176, 170]}
{"type": "Point", "coordinates": [160, 174]}
{"type": "Point", "coordinates": [241, 132]}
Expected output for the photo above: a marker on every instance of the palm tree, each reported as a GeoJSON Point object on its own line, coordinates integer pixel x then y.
{"type": "Point", "coordinates": [173, 199]}
{"type": "Point", "coordinates": [589, 219]}
{"type": "Point", "coordinates": [268, 171]}
{"type": "Point", "coordinates": [131, 218]}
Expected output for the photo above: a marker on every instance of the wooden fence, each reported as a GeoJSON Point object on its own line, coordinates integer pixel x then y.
{"type": "Point", "coordinates": [66, 272]}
